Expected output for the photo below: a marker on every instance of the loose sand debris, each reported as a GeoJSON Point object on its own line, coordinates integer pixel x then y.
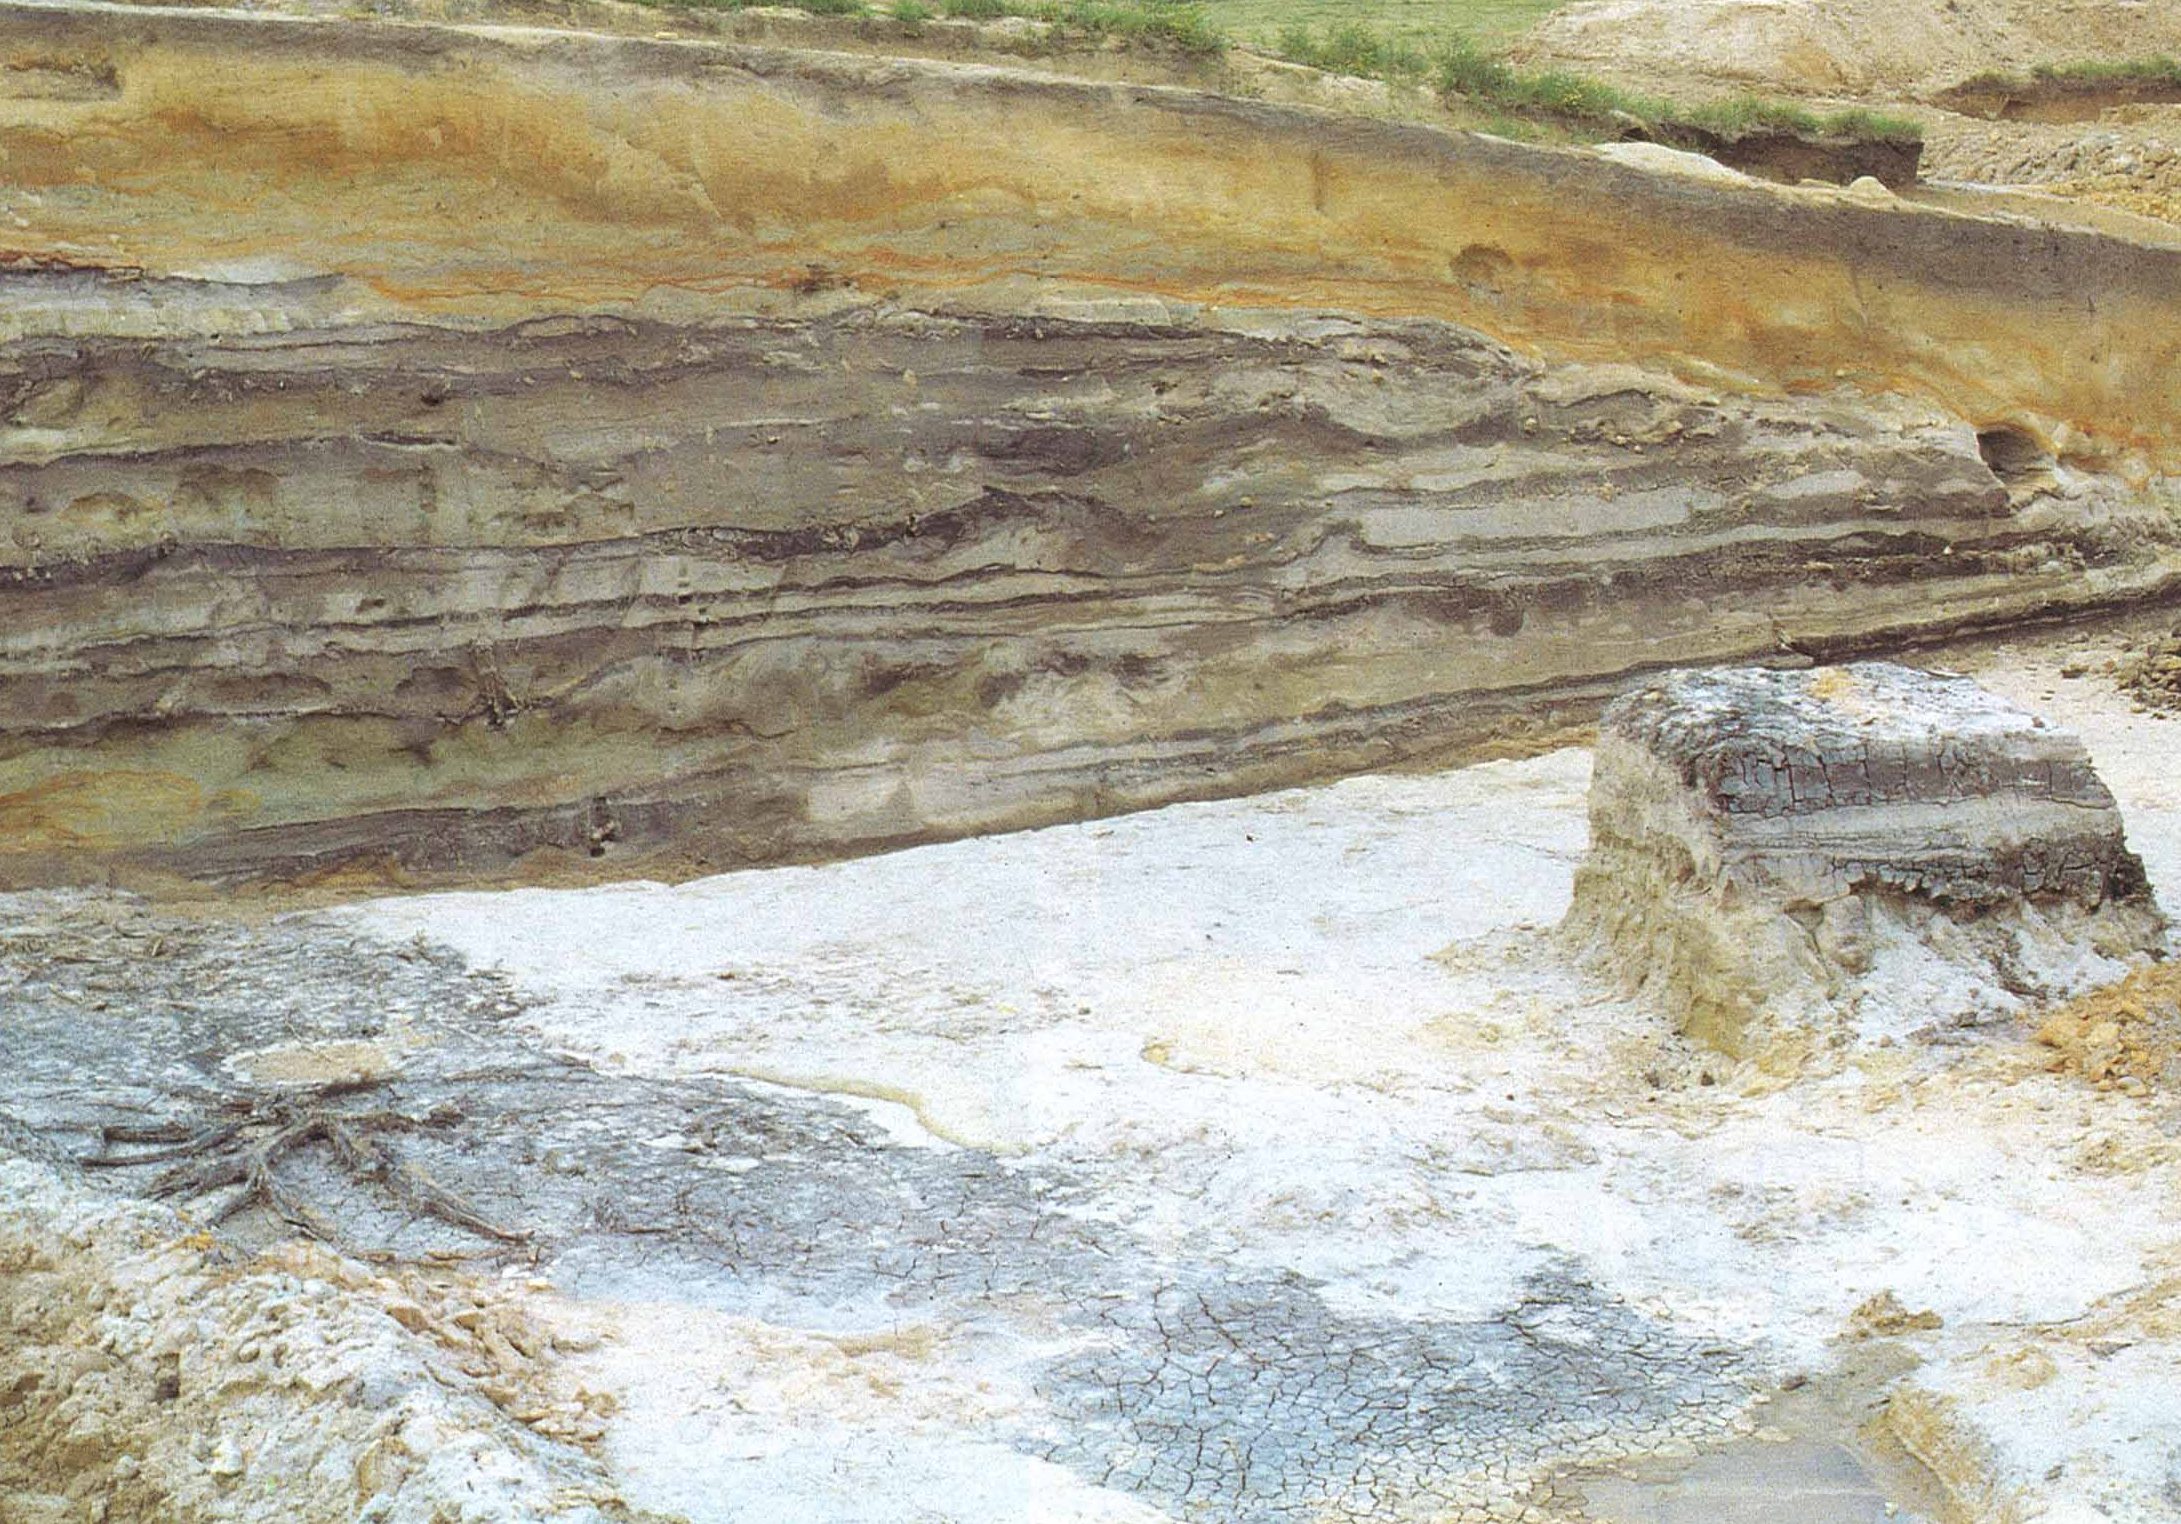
{"type": "Point", "coordinates": [2151, 673]}
{"type": "Point", "coordinates": [2125, 1036]}
{"type": "Point", "coordinates": [145, 1378]}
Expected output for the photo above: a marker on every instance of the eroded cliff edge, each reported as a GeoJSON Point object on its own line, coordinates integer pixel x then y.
{"type": "Point", "coordinates": [427, 450]}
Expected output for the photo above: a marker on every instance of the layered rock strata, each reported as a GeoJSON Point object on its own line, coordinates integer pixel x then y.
{"type": "Point", "coordinates": [1789, 857]}
{"type": "Point", "coordinates": [753, 590]}
{"type": "Point", "coordinates": [509, 173]}
{"type": "Point", "coordinates": [424, 451]}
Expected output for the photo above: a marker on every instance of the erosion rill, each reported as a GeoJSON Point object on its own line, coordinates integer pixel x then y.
{"type": "Point", "coordinates": [430, 451]}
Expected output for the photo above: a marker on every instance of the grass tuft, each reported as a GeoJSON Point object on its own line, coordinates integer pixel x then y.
{"type": "Point", "coordinates": [1169, 22]}
{"type": "Point", "coordinates": [2160, 73]}
{"type": "Point", "coordinates": [2158, 70]}
{"type": "Point", "coordinates": [1181, 26]}
{"type": "Point", "coordinates": [1353, 50]}
{"type": "Point", "coordinates": [814, 7]}
{"type": "Point", "coordinates": [1464, 67]}
{"type": "Point", "coordinates": [1862, 122]}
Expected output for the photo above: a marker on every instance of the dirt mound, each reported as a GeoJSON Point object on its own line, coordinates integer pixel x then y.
{"type": "Point", "coordinates": [1849, 45]}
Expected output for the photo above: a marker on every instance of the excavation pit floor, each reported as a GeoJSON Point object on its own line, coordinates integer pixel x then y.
{"type": "Point", "coordinates": [1262, 1160]}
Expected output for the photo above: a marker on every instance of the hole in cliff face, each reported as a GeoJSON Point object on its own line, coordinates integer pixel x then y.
{"type": "Point", "coordinates": [2013, 454]}
{"type": "Point", "coordinates": [1485, 270]}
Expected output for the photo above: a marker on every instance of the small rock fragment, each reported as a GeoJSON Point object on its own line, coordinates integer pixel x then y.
{"type": "Point", "coordinates": [1885, 1315]}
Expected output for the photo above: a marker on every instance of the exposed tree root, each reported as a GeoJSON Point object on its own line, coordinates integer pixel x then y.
{"type": "Point", "coordinates": [241, 1155]}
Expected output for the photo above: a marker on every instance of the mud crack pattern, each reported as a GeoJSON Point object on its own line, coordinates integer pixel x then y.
{"type": "Point", "coordinates": [1256, 1401]}
{"type": "Point", "coordinates": [1213, 1392]}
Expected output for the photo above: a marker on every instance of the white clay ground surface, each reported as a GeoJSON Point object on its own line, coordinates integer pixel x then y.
{"type": "Point", "coordinates": [1252, 1161]}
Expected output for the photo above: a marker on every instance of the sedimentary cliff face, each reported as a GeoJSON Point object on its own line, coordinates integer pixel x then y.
{"type": "Point", "coordinates": [425, 451]}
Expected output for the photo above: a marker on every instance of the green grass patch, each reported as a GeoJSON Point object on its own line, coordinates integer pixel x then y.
{"type": "Point", "coordinates": [1464, 67]}
{"type": "Point", "coordinates": [2158, 72]}
{"type": "Point", "coordinates": [1461, 66]}
{"type": "Point", "coordinates": [1352, 49]}
{"type": "Point", "coordinates": [1739, 116]}
{"type": "Point", "coordinates": [1170, 22]}
{"type": "Point", "coordinates": [1862, 122]}
{"type": "Point", "coordinates": [814, 7]}
{"type": "Point", "coordinates": [1176, 25]}
{"type": "Point", "coordinates": [1414, 24]}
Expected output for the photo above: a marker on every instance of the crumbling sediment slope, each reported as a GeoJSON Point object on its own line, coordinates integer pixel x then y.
{"type": "Point", "coordinates": [1849, 45]}
{"type": "Point", "coordinates": [427, 450]}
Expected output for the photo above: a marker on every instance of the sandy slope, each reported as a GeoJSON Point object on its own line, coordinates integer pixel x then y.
{"type": "Point", "coordinates": [1851, 46]}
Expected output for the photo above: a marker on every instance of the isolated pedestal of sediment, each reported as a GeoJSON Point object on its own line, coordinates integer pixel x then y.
{"type": "Point", "coordinates": [1789, 860]}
